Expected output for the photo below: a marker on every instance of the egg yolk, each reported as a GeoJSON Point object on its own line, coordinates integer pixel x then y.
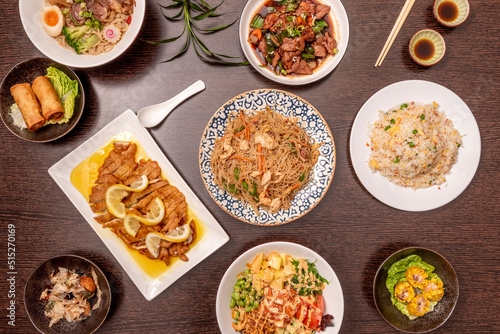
{"type": "Point", "coordinates": [51, 18]}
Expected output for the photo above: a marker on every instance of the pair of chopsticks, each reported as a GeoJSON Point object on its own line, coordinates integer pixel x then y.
{"type": "Point", "coordinates": [395, 31]}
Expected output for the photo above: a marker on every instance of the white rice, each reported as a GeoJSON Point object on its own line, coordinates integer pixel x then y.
{"type": "Point", "coordinates": [412, 150]}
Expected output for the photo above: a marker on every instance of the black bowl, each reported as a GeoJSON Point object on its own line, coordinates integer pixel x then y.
{"type": "Point", "coordinates": [26, 72]}
{"type": "Point", "coordinates": [39, 280]}
{"type": "Point", "coordinates": [428, 321]}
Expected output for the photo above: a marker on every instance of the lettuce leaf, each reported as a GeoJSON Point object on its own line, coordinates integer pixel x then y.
{"type": "Point", "coordinates": [396, 274]}
{"type": "Point", "coordinates": [66, 89]}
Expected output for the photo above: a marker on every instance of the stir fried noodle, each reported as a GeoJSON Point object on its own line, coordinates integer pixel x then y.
{"type": "Point", "coordinates": [264, 158]}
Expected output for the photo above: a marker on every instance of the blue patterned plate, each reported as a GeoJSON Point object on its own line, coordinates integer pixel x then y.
{"type": "Point", "coordinates": [288, 105]}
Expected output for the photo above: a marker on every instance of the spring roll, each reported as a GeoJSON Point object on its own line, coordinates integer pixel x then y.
{"type": "Point", "coordinates": [52, 108]}
{"type": "Point", "coordinates": [28, 104]}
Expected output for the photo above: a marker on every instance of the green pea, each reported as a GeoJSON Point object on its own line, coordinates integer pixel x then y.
{"type": "Point", "coordinates": [252, 300]}
{"type": "Point", "coordinates": [241, 302]}
{"type": "Point", "coordinates": [387, 127]}
{"type": "Point", "coordinates": [403, 106]}
{"type": "Point", "coordinates": [249, 308]}
{"type": "Point", "coordinates": [236, 296]}
{"type": "Point", "coordinates": [393, 121]}
{"type": "Point", "coordinates": [244, 293]}
{"type": "Point", "coordinates": [411, 144]}
{"type": "Point", "coordinates": [241, 282]}
{"type": "Point", "coordinates": [249, 284]}
{"type": "Point", "coordinates": [253, 292]}
{"type": "Point", "coordinates": [237, 288]}
{"type": "Point", "coordinates": [237, 315]}
{"type": "Point", "coordinates": [396, 161]}
{"type": "Point", "coordinates": [415, 131]}
{"type": "Point", "coordinates": [248, 271]}
{"type": "Point", "coordinates": [422, 116]}
{"type": "Point", "coordinates": [261, 292]}
{"type": "Point", "coordinates": [232, 303]}
{"type": "Point", "coordinates": [256, 305]}
{"type": "Point", "coordinates": [247, 300]}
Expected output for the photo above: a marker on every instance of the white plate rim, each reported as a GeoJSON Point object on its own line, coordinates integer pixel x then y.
{"type": "Point", "coordinates": [454, 108]}
{"type": "Point", "coordinates": [341, 20]}
{"type": "Point", "coordinates": [214, 236]}
{"type": "Point", "coordinates": [30, 18]}
{"type": "Point", "coordinates": [297, 250]}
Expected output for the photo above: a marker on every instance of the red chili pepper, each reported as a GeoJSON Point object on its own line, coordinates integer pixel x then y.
{"type": "Point", "coordinates": [129, 20]}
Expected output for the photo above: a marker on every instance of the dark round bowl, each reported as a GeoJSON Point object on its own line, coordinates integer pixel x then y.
{"type": "Point", "coordinates": [39, 280]}
{"type": "Point", "coordinates": [26, 72]}
{"type": "Point", "coordinates": [428, 321]}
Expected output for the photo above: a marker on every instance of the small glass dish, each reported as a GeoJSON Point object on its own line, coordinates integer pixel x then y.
{"type": "Point", "coordinates": [427, 47]}
{"type": "Point", "coordinates": [451, 13]}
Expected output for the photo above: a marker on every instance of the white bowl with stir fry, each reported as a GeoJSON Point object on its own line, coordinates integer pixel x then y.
{"type": "Point", "coordinates": [82, 33]}
{"type": "Point", "coordinates": [294, 42]}
{"type": "Point", "coordinates": [283, 286]}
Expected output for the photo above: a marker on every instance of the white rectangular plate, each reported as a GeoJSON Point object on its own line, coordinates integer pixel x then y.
{"type": "Point", "coordinates": [213, 238]}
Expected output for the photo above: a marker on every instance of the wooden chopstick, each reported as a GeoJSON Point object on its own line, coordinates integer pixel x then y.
{"type": "Point", "coordinates": [395, 31]}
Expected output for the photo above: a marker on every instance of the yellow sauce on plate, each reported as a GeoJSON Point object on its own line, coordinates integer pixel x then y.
{"type": "Point", "coordinates": [83, 178]}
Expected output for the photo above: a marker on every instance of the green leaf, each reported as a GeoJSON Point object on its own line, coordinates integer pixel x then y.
{"type": "Point", "coordinates": [175, 17]}
{"type": "Point", "coordinates": [206, 14]}
{"type": "Point", "coordinates": [183, 50]}
{"type": "Point", "coordinates": [178, 4]}
{"type": "Point", "coordinates": [216, 28]}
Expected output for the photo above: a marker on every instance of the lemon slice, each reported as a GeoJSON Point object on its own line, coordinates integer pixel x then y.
{"type": "Point", "coordinates": [139, 185]}
{"type": "Point", "coordinates": [179, 234]}
{"type": "Point", "coordinates": [155, 215]}
{"type": "Point", "coordinates": [114, 197]}
{"type": "Point", "coordinates": [153, 239]}
{"type": "Point", "coordinates": [132, 225]}
{"type": "Point", "coordinates": [116, 193]}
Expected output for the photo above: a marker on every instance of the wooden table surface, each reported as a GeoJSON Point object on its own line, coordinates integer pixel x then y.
{"type": "Point", "coordinates": [351, 229]}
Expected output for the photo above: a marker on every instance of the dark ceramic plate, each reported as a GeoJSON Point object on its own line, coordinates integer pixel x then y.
{"type": "Point", "coordinates": [40, 280]}
{"type": "Point", "coordinates": [428, 321]}
{"type": "Point", "coordinates": [27, 71]}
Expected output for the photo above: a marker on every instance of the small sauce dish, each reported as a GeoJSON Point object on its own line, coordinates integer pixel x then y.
{"type": "Point", "coordinates": [451, 13]}
{"type": "Point", "coordinates": [427, 47]}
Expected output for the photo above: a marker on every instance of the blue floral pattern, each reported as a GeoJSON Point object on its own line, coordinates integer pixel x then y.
{"type": "Point", "coordinates": [288, 105]}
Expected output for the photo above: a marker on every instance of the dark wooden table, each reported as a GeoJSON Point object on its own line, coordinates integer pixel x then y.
{"type": "Point", "coordinates": [352, 230]}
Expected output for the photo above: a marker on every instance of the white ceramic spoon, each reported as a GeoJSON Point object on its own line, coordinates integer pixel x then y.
{"type": "Point", "coordinates": [152, 115]}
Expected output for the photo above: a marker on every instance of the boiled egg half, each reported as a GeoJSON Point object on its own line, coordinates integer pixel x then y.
{"type": "Point", "coordinates": [52, 20]}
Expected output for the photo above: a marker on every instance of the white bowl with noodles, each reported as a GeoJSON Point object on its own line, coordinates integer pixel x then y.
{"type": "Point", "coordinates": [332, 294]}
{"type": "Point", "coordinates": [30, 12]}
{"type": "Point", "coordinates": [340, 22]}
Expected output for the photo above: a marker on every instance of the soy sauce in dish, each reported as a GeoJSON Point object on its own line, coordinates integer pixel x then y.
{"type": "Point", "coordinates": [424, 49]}
{"type": "Point", "coordinates": [448, 11]}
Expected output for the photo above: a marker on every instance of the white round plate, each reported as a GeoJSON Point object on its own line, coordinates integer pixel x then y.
{"type": "Point", "coordinates": [30, 16]}
{"type": "Point", "coordinates": [310, 120]}
{"type": "Point", "coordinates": [334, 299]}
{"type": "Point", "coordinates": [421, 92]}
{"type": "Point", "coordinates": [341, 28]}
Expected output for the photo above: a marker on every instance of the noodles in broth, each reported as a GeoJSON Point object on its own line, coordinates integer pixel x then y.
{"type": "Point", "coordinates": [264, 159]}
{"type": "Point", "coordinates": [119, 20]}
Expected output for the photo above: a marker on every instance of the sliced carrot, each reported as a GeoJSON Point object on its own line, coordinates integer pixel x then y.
{"type": "Point", "coordinates": [239, 133]}
{"type": "Point", "coordinates": [294, 187]}
{"type": "Point", "coordinates": [310, 21]}
{"type": "Point", "coordinates": [259, 157]}
{"type": "Point", "coordinates": [241, 158]}
{"type": "Point", "coordinates": [300, 20]}
{"type": "Point", "coordinates": [257, 33]}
